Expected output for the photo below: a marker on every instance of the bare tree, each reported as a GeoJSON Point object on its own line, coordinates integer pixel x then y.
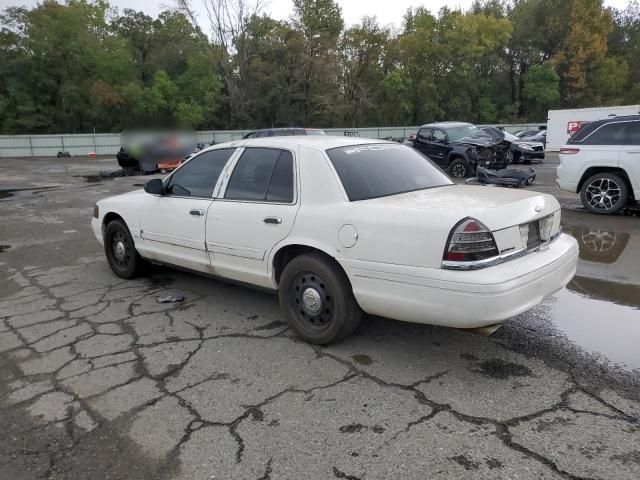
{"type": "Point", "coordinates": [228, 21]}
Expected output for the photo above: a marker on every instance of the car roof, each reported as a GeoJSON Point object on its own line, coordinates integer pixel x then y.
{"type": "Point", "coordinates": [617, 118]}
{"type": "Point", "coordinates": [447, 124]}
{"type": "Point", "coordinates": [317, 142]}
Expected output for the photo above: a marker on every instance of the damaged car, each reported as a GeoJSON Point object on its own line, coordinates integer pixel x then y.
{"type": "Point", "coordinates": [458, 147]}
{"type": "Point", "coordinates": [515, 149]}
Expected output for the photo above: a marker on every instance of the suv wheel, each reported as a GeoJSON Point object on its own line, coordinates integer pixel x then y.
{"type": "Point", "coordinates": [605, 193]}
{"type": "Point", "coordinates": [317, 300]}
{"type": "Point", "coordinates": [458, 168]}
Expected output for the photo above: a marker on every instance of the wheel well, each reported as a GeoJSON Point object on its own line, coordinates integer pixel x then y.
{"type": "Point", "coordinates": [288, 253]}
{"type": "Point", "coordinates": [110, 217]}
{"type": "Point", "coordinates": [593, 170]}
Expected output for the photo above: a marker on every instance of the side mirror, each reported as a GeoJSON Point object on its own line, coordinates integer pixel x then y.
{"type": "Point", "coordinates": [154, 187]}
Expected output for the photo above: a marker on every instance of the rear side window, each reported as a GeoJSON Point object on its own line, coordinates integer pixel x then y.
{"type": "Point", "coordinates": [633, 133]}
{"type": "Point", "coordinates": [607, 134]}
{"type": "Point", "coordinates": [379, 170]}
{"type": "Point", "coordinates": [424, 134]}
{"type": "Point", "coordinates": [262, 174]}
{"type": "Point", "coordinates": [199, 176]}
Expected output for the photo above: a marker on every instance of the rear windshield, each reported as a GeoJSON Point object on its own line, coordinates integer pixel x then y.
{"type": "Point", "coordinates": [378, 170]}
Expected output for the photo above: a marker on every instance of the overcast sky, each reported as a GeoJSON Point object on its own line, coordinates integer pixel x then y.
{"type": "Point", "coordinates": [387, 11]}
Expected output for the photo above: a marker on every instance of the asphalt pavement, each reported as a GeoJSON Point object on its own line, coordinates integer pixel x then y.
{"type": "Point", "coordinates": [100, 381]}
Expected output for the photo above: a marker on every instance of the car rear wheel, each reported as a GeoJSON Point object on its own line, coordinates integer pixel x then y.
{"type": "Point", "coordinates": [605, 193]}
{"type": "Point", "coordinates": [459, 168]}
{"type": "Point", "coordinates": [120, 250]}
{"type": "Point", "coordinates": [317, 300]}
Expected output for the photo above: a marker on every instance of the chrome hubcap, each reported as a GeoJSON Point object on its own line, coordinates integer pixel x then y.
{"type": "Point", "coordinates": [603, 194]}
{"type": "Point", "coordinates": [120, 251]}
{"type": "Point", "coordinates": [311, 301]}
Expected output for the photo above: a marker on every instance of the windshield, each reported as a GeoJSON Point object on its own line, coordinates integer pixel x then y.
{"type": "Point", "coordinates": [379, 170]}
{"type": "Point", "coordinates": [456, 133]}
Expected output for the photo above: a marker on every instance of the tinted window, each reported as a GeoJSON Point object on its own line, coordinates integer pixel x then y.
{"type": "Point", "coordinates": [199, 175]}
{"type": "Point", "coordinates": [609, 134]}
{"type": "Point", "coordinates": [633, 133]}
{"type": "Point", "coordinates": [424, 134]}
{"type": "Point", "coordinates": [262, 134]}
{"type": "Point", "coordinates": [261, 174]}
{"type": "Point", "coordinates": [281, 185]}
{"type": "Point", "coordinates": [377, 170]}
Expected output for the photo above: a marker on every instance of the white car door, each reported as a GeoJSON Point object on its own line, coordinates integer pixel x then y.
{"type": "Point", "coordinates": [255, 210]}
{"type": "Point", "coordinates": [173, 224]}
{"type": "Point", "coordinates": [630, 156]}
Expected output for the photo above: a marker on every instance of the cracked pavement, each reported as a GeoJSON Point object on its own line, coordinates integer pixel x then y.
{"type": "Point", "coordinates": [99, 380]}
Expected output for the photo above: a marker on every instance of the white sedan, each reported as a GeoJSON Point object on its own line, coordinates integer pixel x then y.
{"type": "Point", "coordinates": [339, 226]}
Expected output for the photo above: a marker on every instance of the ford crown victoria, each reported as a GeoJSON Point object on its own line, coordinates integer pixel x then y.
{"type": "Point", "coordinates": [339, 226]}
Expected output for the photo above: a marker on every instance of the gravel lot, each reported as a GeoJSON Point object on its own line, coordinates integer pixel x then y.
{"type": "Point", "coordinates": [99, 381]}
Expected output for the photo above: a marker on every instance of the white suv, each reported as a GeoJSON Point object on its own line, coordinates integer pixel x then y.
{"type": "Point", "coordinates": [602, 163]}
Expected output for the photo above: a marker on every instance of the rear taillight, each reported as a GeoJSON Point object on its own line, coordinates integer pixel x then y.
{"type": "Point", "coordinates": [471, 245]}
{"type": "Point", "coordinates": [569, 151]}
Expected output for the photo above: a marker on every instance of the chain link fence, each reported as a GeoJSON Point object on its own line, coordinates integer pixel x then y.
{"type": "Point", "coordinates": [109, 143]}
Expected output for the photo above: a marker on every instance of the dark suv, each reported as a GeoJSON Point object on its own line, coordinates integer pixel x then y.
{"type": "Point", "coordinates": [456, 147]}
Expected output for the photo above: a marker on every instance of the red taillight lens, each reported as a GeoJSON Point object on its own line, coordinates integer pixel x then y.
{"type": "Point", "coordinates": [569, 151]}
{"type": "Point", "coordinates": [470, 245]}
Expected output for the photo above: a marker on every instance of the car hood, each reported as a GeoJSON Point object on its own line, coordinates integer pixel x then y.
{"type": "Point", "coordinates": [496, 207]}
{"type": "Point", "coordinates": [475, 141]}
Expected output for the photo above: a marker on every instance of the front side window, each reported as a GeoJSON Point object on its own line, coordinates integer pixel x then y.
{"type": "Point", "coordinates": [378, 170]}
{"type": "Point", "coordinates": [262, 174]}
{"type": "Point", "coordinates": [439, 136]}
{"type": "Point", "coordinates": [199, 176]}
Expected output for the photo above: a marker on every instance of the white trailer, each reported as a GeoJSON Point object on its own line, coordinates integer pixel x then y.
{"type": "Point", "coordinates": [561, 124]}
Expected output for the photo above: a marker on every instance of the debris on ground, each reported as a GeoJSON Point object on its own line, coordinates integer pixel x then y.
{"type": "Point", "coordinates": [177, 297]}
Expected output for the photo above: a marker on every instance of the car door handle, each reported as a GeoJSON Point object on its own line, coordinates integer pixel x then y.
{"type": "Point", "coordinates": [272, 220]}
{"type": "Point", "coordinates": [196, 212]}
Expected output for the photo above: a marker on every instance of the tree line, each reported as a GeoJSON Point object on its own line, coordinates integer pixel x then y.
{"type": "Point", "coordinates": [81, 65]}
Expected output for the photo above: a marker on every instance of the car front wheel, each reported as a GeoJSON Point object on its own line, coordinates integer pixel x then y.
{"type": "Point", "coordinates": [605, 193]}
{"type": "Point", "coordinates": [459, 168]}
{"type": "Point", "coordinates": [317, 300]}
{"type": "Point", "coordinates": [120, 250]}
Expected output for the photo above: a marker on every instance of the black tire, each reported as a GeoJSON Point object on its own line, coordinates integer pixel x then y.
{"type": "Point", "coordinates": [459, 168]}
{"type": "Point", "coordinates": [317, 300]}
{"type": "Point", "coordinates": [511, 157]}
{"type": "Point", "coordinates": [604, 193]}
{"type": "Point", "coordinates": [120, 250]}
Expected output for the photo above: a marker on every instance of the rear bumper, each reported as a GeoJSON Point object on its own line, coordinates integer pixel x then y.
{"type": "Point", "coordinates": [463, 299]}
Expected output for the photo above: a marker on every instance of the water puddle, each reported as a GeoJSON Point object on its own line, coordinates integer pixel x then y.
{"type": "Point", "coordinates": [600, 308]}
{"type": "Point", "coordinates": [11, 192]}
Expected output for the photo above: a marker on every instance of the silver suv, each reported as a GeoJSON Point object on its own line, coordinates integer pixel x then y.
{"type": "Point", "coordinates": [602, 163]}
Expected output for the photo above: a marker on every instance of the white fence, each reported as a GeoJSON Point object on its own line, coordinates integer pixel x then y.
{"type": "Point", "coordinates": [109, 143]}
